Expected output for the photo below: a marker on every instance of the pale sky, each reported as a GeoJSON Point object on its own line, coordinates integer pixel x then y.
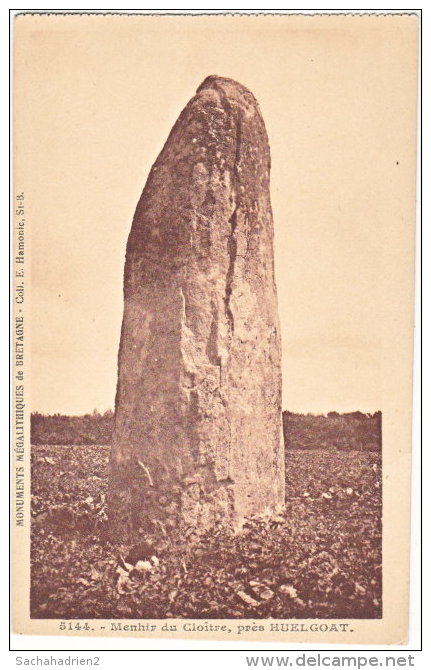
{"type": "Point", "coordinates": [95, 100]}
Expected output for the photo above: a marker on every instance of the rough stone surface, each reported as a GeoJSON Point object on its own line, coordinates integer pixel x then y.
{"type": "Point", "coordinates": [197, 437]}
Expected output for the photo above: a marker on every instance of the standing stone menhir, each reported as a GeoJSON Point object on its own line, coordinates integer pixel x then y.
{"type": "Point", "coordinates": [197, 437]}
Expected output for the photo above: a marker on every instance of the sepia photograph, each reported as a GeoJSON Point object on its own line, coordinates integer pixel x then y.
{"type": "Point", "coordinates": [213, 326]}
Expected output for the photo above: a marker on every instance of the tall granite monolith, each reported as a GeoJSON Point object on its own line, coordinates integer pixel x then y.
{"type": "Point", "coordinates": [197, 439]}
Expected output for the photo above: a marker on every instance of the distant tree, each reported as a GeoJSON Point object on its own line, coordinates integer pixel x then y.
{"type": "Point", "coordinates": [350, 431]}
{"type": "Point", "coordinates": [62, 429]}
{"type": "Point", "coordinates": [353, 430]}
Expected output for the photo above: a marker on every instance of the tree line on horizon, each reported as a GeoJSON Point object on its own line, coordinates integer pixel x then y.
{"type": "Point", "coordinates": [342, 431]}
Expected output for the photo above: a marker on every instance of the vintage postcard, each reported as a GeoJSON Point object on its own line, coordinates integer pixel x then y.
{"type": "Point", "coordinates": [214, 225]}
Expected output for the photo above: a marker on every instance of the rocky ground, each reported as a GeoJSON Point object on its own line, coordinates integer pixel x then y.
{"type": "Point", "coordinates": [320, 559]}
